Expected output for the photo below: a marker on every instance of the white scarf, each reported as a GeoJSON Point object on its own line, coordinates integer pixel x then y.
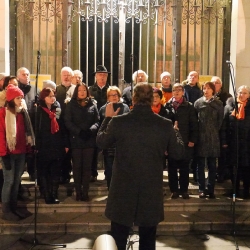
{"type": "Point", "coordinates": [10, 124]}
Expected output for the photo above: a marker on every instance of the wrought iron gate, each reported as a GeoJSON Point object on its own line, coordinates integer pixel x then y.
{"type": "Point", "coordinates": [170, 35]}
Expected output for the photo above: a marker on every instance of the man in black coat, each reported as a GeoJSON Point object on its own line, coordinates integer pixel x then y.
{"type": "Point", "coordinates": [98, 91]}
{"type": "Point", "coordinates": [222, 170]}
{"type": "Point", "coordinates": [135, 195]}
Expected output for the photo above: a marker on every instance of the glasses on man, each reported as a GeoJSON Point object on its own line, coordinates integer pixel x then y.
{"type": "Point", "coordinates": [177, 90]}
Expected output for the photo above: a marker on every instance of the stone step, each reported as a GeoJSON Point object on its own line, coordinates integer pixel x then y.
{"type": "Point", "coordinates": [174, 222]}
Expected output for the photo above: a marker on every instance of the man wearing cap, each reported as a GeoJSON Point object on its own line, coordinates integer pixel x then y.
{"type": "Point", "coordinates": [166, 87]}
{"type": "Point", "coordinates": [2, 77]}
{"type": "Point", "coordinates": [99, 90]}
{"type": "Point", "coordinates": [138, 76]}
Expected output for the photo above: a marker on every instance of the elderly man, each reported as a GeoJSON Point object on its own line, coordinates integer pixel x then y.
{"type": "Point", "coordinates": [99, 90]}
{"type": "Point", "coordinates": [2, 77]}
{"type": "Point", "coordinates": [222, 95]}
{"type": "Point", "coordinates": [29, 90]}
{"type": "Point", "coordinates": [135, 194]}
{"type": "Point", "coordinates": [138, 76]}
{"type": "Point", "coordinates": [63, 91]}
{"type": "Point", "coordinates": [77, 77]}
{"type": "Point", "coordinates": [192, 87]}
{"type": "Point", "coordinates": [166, 87]}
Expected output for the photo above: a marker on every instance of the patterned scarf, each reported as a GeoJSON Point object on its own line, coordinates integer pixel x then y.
{"type": "Point", "coordinates": [176, 104]}
{"type": "Point", "coordinates": [241, 110]}
{"type": "Point", "coordinates": [52, 116]}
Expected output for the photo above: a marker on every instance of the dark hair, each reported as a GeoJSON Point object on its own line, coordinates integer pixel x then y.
{"type": "Point", "coordinates": [158, 91]}
{"type": "Point", "coordinates": [75, 94]}
{"type": "Point", "coordinates": [211, 86]}
{"type": "Point", "coordinates": [43, 94]}
{"type": "Point", "coordinates": [143, 94]}
{"type": "Point", "coordinates": [7, 80]}
{"type": "Point", "coordinates": [11, 106]}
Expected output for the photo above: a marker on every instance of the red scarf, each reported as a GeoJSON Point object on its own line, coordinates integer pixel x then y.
{"type": "Point", "coordinates": [241, 110]}
{"type": "Point", "coordinates": [156, 109]}
{"type": "Point", "coordinates": [52, 116]}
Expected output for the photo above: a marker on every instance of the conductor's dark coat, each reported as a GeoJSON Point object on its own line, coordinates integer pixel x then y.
{"type": "Point", "coordinates": [141, 138]}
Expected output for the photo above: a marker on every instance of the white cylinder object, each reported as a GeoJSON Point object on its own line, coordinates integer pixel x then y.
{"type": "Point", "coordinates": [104, 242]}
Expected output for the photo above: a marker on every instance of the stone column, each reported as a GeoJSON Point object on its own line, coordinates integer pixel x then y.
{"type": "Point", "coordinates": [240, 42]}
{"type": "Point", "coordinates": [4, 41]}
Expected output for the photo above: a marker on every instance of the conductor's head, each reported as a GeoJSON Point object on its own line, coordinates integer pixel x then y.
{"type": "Point", "coordinates": [143, 94]}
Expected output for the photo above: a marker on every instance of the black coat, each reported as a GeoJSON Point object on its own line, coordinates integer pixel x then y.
{"type": "Point", "coordinates": [141, 138]}
{"type": "Point", "coordinates": [243, 141]}
{"type": "Point", "coordinates": [210, 117]}
{"type": "Point", "coordinates": [187, 119]}
{"type": "Point", "coordinates": [50, 146]}
{"type": "Point", "coordinates": [100, 95]}
{"type": "Point", "coordinates": [79, 118]}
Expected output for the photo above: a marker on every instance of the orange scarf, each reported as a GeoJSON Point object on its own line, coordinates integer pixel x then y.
{"type": "Point", "coordinates": [241, 110]}
{"type": "Point", "coordinates": [156, 109]}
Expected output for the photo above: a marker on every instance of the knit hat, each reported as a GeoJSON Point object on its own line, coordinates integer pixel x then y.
{"type": "Point", "coordinates": [2, 75]}
{"type": "Point", "coordinates": [13, 92]}
{"type": "Point", "coordinates": [49, 84]}
{"type": "Point", "coordinates": [165, 73]}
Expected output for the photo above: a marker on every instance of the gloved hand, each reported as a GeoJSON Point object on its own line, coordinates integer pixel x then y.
{"type": "Point", "coordinates": [6, 162]}
{"type": "Point", "coordinates": [85, 134]}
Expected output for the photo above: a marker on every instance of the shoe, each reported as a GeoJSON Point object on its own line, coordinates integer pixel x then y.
{"type": "Point", "coordinates": [93, 178]}
{"type": "Point", "coordinates": [185, 195]}
{"type": "Point", "coordinates": [211, 196]}
{"type": "Point", "coordinates": [174, 195]}
{"type": "Point", "coordinates": [64, 180]}
{"type": "Point", "coordinates": [202, 195]}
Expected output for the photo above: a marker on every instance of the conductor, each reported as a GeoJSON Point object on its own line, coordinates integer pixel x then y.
{"type": "Point", "coordinates": [136, 195]}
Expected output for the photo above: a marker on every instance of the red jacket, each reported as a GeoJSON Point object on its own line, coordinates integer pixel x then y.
{"type": "Point", "coordinates": [20, 135]}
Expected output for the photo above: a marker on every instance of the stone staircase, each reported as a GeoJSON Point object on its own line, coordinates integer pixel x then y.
{"type": "Point", "coordinates": [68, 217]}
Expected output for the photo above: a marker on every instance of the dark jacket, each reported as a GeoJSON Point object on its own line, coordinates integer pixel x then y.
{"type": "Point", "coordinates": [243, 141]}
{"type": "Point", "coordinates": [192, 93]}
{"type": "Point", "coordinates": [187, 119]}
{"type": "Point", "coordinates": [210, 117]}
{"type": "Point", "coordinates": [50, 146]}
{"type": "Point", "coordinates": [123, 109]}
{"type": "Point", "coordinates": [223, 96]}
{"type": "Point", "coordinates": [100, 95]}
{"type": "Point", "coordinates": [126, 95]}
{"type": "Point", "coordinates": [141, 138]}
{"type": "Point", "coordinates": [79, 118]}
{"type": "Point", "coordinates": [30, 94]}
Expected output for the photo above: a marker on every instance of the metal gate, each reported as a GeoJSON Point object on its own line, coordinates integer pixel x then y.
{"type": "Point", "coordinates": [125, 35]}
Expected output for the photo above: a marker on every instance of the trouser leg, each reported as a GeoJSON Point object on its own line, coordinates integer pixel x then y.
{"type": "Point", "coordinates": [147, 237]}
{"type": "Point", "coordinates": [120, 234]}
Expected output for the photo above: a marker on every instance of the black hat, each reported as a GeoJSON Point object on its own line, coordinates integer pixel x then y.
{"type": "Point", "coordinates": [100, 69]}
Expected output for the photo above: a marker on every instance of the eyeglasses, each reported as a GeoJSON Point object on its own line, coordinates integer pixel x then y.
{"type": "Point", "coordinates": [114, 95]}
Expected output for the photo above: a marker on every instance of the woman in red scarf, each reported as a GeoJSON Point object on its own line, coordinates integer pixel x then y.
{"type": "Point", "coordinates": [239, 117]}
{"type": "Point", "coordinates": [50, 144]}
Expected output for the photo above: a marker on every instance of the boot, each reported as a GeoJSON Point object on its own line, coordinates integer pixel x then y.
{"type": "Point", "coordinates": [47, 191]}
{"type": "Point", "coordinates": [55, 186]}
{"type": "Point", "coordinates": [7, 214]}
{"type": "Point", "coordinates": [14, 210]}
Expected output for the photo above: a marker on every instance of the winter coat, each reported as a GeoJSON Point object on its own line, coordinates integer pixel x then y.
{"type": "Point", "coordinates": [210, 117]}
{"type": "Point", "coordinates": [50, 146]}
{"type": "Point", "coordinates": [141, 138]}
{"type": "Point", "coordinates": [231, 124]}
{"type": "Point", "coordinates": [192, 93]}
{"type": "Point", "coordinates": [223, 96]}
{"type": "Point", "coordinates": [99, 94]}
{"type": "Point", "coordinates": [187, 119]}
{"type": "Point", "coordinates": [79, 118]}
{"type": "Point", "coordinates": [20, 134]}
{"type": "Point", "coordinates": [123, 109]}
